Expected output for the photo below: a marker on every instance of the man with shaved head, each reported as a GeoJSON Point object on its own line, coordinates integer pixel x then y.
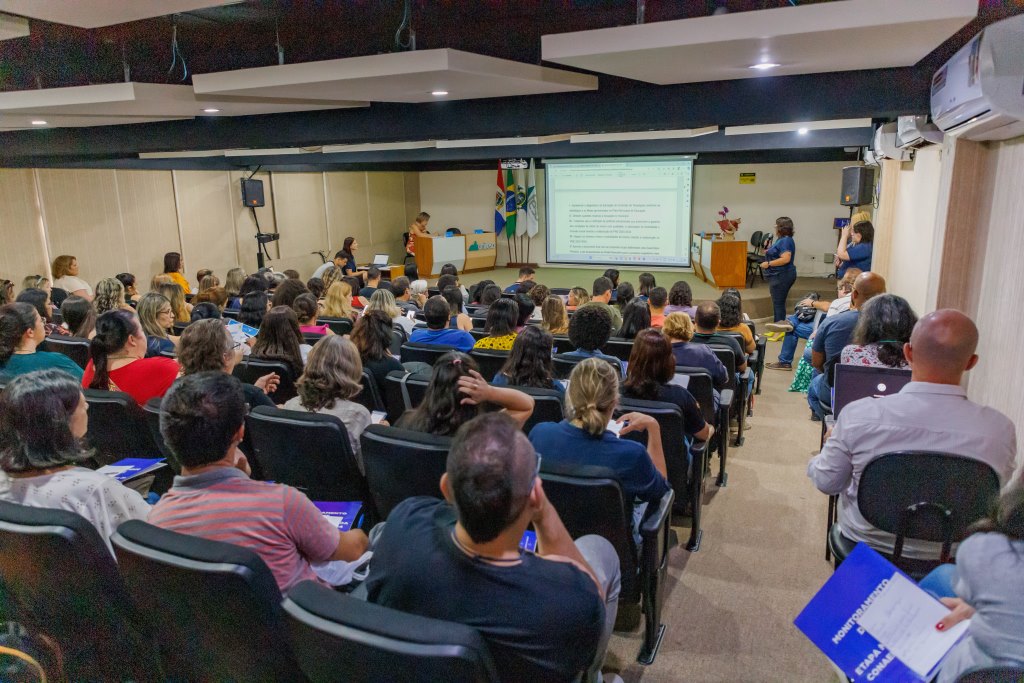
{"type": "Point", "coordinates": [931, 413]}
{"type": "Point", "coordinates": [832, 336]}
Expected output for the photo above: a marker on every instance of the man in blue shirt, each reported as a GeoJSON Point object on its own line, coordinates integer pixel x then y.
{"type": "Point", "coordinates": [589, 330]}
{"type": "Point", "coordinates": [834, 334]}
{"type": "Point", "coordinates": [526, 274]}
{"type": "Point", "coordinates": [436, 311]}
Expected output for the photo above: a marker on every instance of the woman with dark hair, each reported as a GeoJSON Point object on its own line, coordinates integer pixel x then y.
{"type": "Point", "coordinates": [348, 255]}
{"type": "Point", "coordinates": [613, 275]}
{"type": "Point", "coordinates": [207, 346]}
{"type": "Point", "coordinates": [679, 329]}
{"type": "Point", "coordinates": [119, 360]}
{"type": "Point", "coordinates": [529, 364]}
{"type": "Point", "coordinates": [502, 318]}
{"type": "Point", "coordinates": [43, 419]}
{"type": "Point", "coordinates": [316, 287]}
{"type": "Point", "coordinates": [779, 266]}
{"type": "Point", "coordinates": [855, 247]}
{"type": "Point", "coordinates": [173, 268]}
{"type": "Point", "coordinates": [624, 293]}
{"type": "Point", "coordinates": [372, 337]}
{"type": "Point", "coordinates": [6, 292]}
{"type": "Point", "coordinates": [280, 339]}
{"type": "Point", "coordinates": [553, 315]}
{"type": "Point", "coordinates": [286, 292]}
{"type": "Point", "coordinates": [253, 283]}
{"type": "Point", "coordinates": [636, 316]}
{"type": "Point", "coordinates": [731, 320]}
{"type": "Point", "coordinates": [525, 304]}
{"type": "Point", "coordinates": [645, 283]}
{"type": "Point", "coordinates": [457, 393]}
{"type": "Point", "coordinates": [79, 316]}
{"type": "Point", "coordinates": [205, 311]}
{"type": "Point", "coordinates": [680, 299]}
{"type": "Point", "coordinates": [254, 308]}
{"type": "Point", "coordinates": [477, 290]}
{"type": "Point", "coordinates": [411, 272]}
{"type": "Point", "coordinates": [306, 310]}
{"type": "Point", "coordinates": [651, 368]}
{"type": "Point", "coordinates": [39, 299]}
{"type": "Point", "coordinates": [883, 327]}
{"type": "Point", "coordinates": [458, 320]}
{"type": "Point", "coordinates": [131, 294]}
{"type": "Point", "coordinates": [157, 320]}
{"type": "Point", "coordinates": [21, 332]}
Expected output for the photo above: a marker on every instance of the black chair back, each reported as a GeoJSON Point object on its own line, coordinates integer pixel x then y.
{"type": "Point", "coordinates": [401, 463]}
{"type": "Point", "coordinates": [620, 348]}
{"type": "Point", "coordinates": [340, 326]}
{"type": "Point", "coordinates": [312, 338]}
{"type": "Point", "coordinates": [701, 387]}
{"type": "Point", "coordinates": [547, 406]}
{"type": "Point", "coordinates": [478, 333]}
{"type": "Point", "coordinates": [306, 450]}
{"type": "Point", "coordinates": [61, 582]}
{"type": "Point", "coordinates": [118, 427]}
{"type": "Point", "coordinates": [75, 348]}
{"type": "Point", "coordinates": [370, 396]}
{"type": "Point", "coordinates": [251, 369]}
{"type": "Point", "coordinates": [479, 321]}
{"type": "Point", "coordinates": [491, 361]}
{"type": "Point", "coordinates": [729, 360]}
{"type": "Point", "coordinates": [179, 328]}
{"type": "Point", "coordinates": [755, 240]}
{"type": "Point", "coordinates": [404, 391]}
{"type": "Point", "coordinates": [151, 411]}
{"type": "Point", "coordinates": [562, 343]}
{"type": "Point", "coordinates": [214, 607]}
{"type": "Point", "coordinates": [230, 313]}
{"type": "Point", "coordinates": [332, 633]}
{"type": "Point", "coordinates": [412, 352]}
{"type": "Point", "coordinates": [398, 337]}
{"type": "Point", "coordinates": [564, 364]}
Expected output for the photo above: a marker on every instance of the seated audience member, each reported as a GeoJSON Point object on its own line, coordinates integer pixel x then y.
{"type": "Point", "coordinates": [316, 287]}
{"type": "Point", "coordinates": [525, 287]}
{"type": "Point", "coordinates": [931, 413]}
{"type": "Point", "coordinates": [292, 274]}
{"type": "Point", "coordinates": [215, 296]}
{"type": "Point", "coordinates": [437, 312]}
{"type": "Point", "coordinates": [732, 291]}
{"type": "Point", "coordinates": [355, 284]}
{"type": "Point", "coordinates": [541, 614]}
{"type": "Point", "coordinates": [624, 293]}
{"type": "Point", "coordinates": [205, 311]}
{"type": "Point", "coordinates": [280, 339]}
{"type": "Point", "coordinates": [706, 324]}
{"type": "Point", "coordinates": [538, 293]}
{"type": "Point", "coordinates": [457, 393]}
{"type": "Point", "coordinates": [332, 378]}
{"type": "Point", "coordinates": [884, 326]}
{"type": "Point", "coordinates": [636, 316]}
{"type": "Point", "coordinates": [645, 284]}
{"type": "Point", "coordinates": [403, 295]}
{"type": "Point", "coordinates": [730, 319]}
{"type": "Point", "coordinates": [158, 281]}
{"type": "Point", "coordinates": [339, 260]}
{"type": "Point", "coordinates": [679, 330]}
{"type": "Point", "coordinates": [457, 320]}
{"type": "Point", "coordinates": [254, 308]}
{"type": "Point", "coordinates": [651, 367]}
{"type": "Point", "coordinates": [989, 586]}
{"type": "Point", "coordinates": [384, 300]}
{"type": "Point", "coordinates": [202, 420]}
{"type": "Point", "coordinates": [613, 276]}
{"type": "Point", "coordinates": [529, 363]}
{"type": "Point", "coordinates": [488, 296]}
{"type": "Point", "coordinates": [796, 329]}
{"type": "Point", "coordinates": [372, 282]}
{"type": "Point", "coordinates": [657, 302]}
{"type": "Point", "coordinates": [553, 316]}
{"type": "Point", "coordinates": [577, 297]}
{"type": "Point", "coordinates": [855, 246]}
{"type": "Point", "coordinates": [832, 337]}
{"type": "Point", "coordinates": [109, 296]}
{"type": "Point", "coordinates": [43, 419]}
{"type": "Point", "coordinates": [176, 295]}
{"type": "Point", "coordinates": [602, 294]}
{"type": "Point", "coordinates": [420, 291]}
{"type": "Point", "coordinates": [252, 283]}
{"type": "Point", "coordinates": [477, 290]}
{"type": "Point", "coordinates": [118, 360]}
{"type": "Point", "coordinates": [131, 292]}
{"type": "Point", "coordinates": [65, 276]}
{"type": "Point", "coordinates": [589, 329]}
{"type": "Point", "coordinates": [6, 292]}
{"type": "Point", "coordinates": [526, 274]}
{"type": "Point", "coordinates": [525, 304]}
{"type": "Point", "coordinates": [79, 316]}
{"type": "Point", "coordinates": [34, 282]}
{"type": "Point", "coordinates": [372, 337]}
{"type": "Point", "coordinates": [286, 293]}
{"type": "Point", "coordinates": [233, 287]}
{"type": "Point", "coordinates": [680, 299]}
{"type": "Point", "coordinates": [39, 299]}
{"type": "Point", "coordinates": [450, 269]}
{"type": "Point", "coordinates": [209, 281]}
{"type": "Point", "coordinates": [333, 274]}
{"type": "Point", "coordinates": [21, 332]}
{"type": "Point", "coordinates": [173, 268]}
{"type": "Point", "coordinates": [338, 301]}
{"type": "Point", "coordinates": [306, 310]}
{"type": "Point", "coordinates": [502, 319]}
{"type": "Point", "coordinates": [274, 280]}
{"type": "Point", "coordinates": [156, 318]}
{"type": "Point", "coordinates": [207, 346]}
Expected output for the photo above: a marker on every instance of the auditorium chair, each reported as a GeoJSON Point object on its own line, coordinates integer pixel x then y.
{"type": "Point", "coordinates": [332, 633]}
{"type": "Point", "coordinates": [312, 338]}
{"type": "Point", "coordinates": [404, 391]}
{"type": "Point", "coordinates": [310, 451]}
{"type": "Point", "coordinates": [230, 313]}
{"type": "Point", "coordinates": [563, 365]}
{"type": "Point", "coordinates": [701, 387]}
{"type": "Point", "coordinates": [547, 406]}
{"type": "Point", "coordinates": [340, 326]}
{"type": "Point", "coordinates": [752, 361]}
{"type": "Point", "coordinates": [179, 328]}
{"type": "Point", "coordinates": [75, 348]}
{"type": "Point", "coordinates": [251, 369]}
{"type": "Point", "coordinates": [760, 241]}
{"type": "Point", "coordinates": [215, 607]}
{"type": "Point", "coordinates": [62, 584]}
{"type": "Point", "coordinates": [370, 395]}
{"type": "Point", "coordinates": [922, 495]}
{"type": "Point", "coordinates": [620, 348]}
{"type": "Point", "coordinates": [739, 388]}
{"type": "Point", "coordinates": [118, 428]}
{"type": "Point", "coordinates": [402, 463]}
{"type": "Point", "coordinates": [562, 343]}
{"type": "Point", "coordinates": [490, 361]}
{"type": "Point", "coordinates": [424, 353]}
{"type": "Point", "coordinates": [478, 333]}
{"type": "Point", "coordinates": [589, 500]}
{"type": "Point", "coordinates": [398, 337]}
{"type": "Point", "coordinates": [761, 344]}
{"type": "Point", "coordinates": [479, 322]}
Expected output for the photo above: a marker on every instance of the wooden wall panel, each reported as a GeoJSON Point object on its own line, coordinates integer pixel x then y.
{"type": "Point", "coordinates": [301, 212]}
{"type": "Point", "coordinates": [150, 221]}
{"type": "Point", "coordinates": [206, 209]}
{"type": "Point", "coordinates": [387, 199]}
{"type": "Point", "coordinates": [24, 247]}
{"type": "Point", "coordinates": [348, 210]}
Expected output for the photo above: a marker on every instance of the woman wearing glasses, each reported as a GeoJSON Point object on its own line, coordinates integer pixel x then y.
{"type": "Point", "coordinates": [157, 317]}
{"type": "Point", "coordinates": [207, 346]}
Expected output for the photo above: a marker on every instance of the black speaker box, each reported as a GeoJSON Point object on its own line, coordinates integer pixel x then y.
{"type": "Point", "coordinates": [858, 185]}
{"type": "Point", "coordinates": [252, 192]}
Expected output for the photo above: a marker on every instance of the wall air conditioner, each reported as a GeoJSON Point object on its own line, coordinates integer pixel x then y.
{"type": "Point", "coordinates": [979, 93]}
{"type": "Point", "coordinates": [916, 131]}
{"type": "Point", "coordinates": [886, 145]}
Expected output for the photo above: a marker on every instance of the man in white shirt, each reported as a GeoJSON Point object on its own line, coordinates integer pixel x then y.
{"type": "Point", "coordinates": [931, 413]}
{"type": "Point", "coordinates": [339, 261]}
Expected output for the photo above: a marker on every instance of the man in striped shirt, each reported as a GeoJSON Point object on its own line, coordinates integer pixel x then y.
{"type": "Point", "coordinates": [202, 419]}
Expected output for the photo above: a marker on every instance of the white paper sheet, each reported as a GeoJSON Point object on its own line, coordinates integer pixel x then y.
{"type": "Point", "coordinates": [376, 416]}
{"type": "Point", "coordinates": [614, 427]}
{"type": "Point", "coordinates": [680, 380]}
{"type": "Point", "coordinates": [903, 618]}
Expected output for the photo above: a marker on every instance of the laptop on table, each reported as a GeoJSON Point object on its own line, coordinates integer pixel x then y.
{"type": "Point", "coordinates": [854, 382]}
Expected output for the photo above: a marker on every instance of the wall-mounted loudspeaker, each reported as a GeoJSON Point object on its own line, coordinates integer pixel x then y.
{"type": "Point", "coordinates": [252, 192]}
{"type": "Point", "coordinates": [858, 185]}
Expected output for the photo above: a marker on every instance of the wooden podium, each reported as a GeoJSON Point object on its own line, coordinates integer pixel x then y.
{"type": "Point", "coordinates": [433, 251]}
{"type": "Point", "coordinates": [481, 252]}
{"type": "Point", "coordinates": [721, 263]}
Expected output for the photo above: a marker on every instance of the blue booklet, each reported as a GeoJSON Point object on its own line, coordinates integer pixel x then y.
{"type": "Point", "coordinates": [129, 468]}
{"type": "Point", "coordinates": [877, 624]}
{"type": "Point", "coordinates": [341, 515]}
{"type": "Point", "coordinates": [529, 542]}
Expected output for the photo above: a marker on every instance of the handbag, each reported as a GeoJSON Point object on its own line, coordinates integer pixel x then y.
{"type": "Point", "coordinates": [805, 314]}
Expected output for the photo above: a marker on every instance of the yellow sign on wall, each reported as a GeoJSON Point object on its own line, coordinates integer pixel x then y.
{"type": "Point", "coordinates": [748, 178]}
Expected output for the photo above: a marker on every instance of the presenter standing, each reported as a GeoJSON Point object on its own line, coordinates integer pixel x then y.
{"type": "Point", "coordinates": [419, 226]}
{"type": "Point", "coordinates": [855, 245]}
{"type": "Point", "coordinates": [779, 266]}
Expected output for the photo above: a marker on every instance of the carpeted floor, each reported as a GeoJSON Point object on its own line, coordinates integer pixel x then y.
{"type": "Point", "coordinates": [730, 606]}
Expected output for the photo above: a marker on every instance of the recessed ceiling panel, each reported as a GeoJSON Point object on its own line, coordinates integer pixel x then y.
{"type": "Point", "coordinates": [419, 76]}
{"type": "Point", "coordinates": [844, 35]}
{"type": "Point", "coordinates": [97, 13]}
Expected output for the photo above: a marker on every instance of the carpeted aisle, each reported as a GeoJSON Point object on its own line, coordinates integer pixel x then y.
{"type": "Point", "coordinates": [730, 607]}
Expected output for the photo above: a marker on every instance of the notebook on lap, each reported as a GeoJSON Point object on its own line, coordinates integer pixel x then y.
{"type": "Point", "coordinates": [854, 382]}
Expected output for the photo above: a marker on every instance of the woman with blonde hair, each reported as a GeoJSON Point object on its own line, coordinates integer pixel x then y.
{"type": "Point", "coordinates": [553, 316]}
{"type": "Point", "coordinates": [383, 300]}
{"type": "Point", "coordinates": [679, 329]}
{"type": "Point", "coordinates": [332, 378]}
{"type": "Point", "coordinates": [577, 297]}
{"type": "Point", "coordinates": [65, 276]}
{"type": "Point", "coordinates": [233, 283]}
{"type": "Point", "coordinates": [338, 302]}
{"type": "Point", "coordinates": [109, 296]}
{"type": "Point", "coordinates": [332, 275]}
{"type": "Point", "coordinates": [157, 317]}
{"type": "Point", "coordinates": [158, 281]}
{"type": "Point", "coordinates": [176, 295]}
{"type": "Point", "coordinates": [209, 282]}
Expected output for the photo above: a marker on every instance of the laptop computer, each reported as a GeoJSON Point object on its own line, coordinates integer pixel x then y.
{"type": "Point", "coordinates": [854, 382]}
{"type": "Point", "coordinates": [381, 259]}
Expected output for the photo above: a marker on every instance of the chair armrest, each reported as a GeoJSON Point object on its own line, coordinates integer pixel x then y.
{"type": "Point", "coordinates": [830, 421]}
{"type": "Point", "coordinates": [656, 522]}
{"type": "Point", "coordinates": [725, 397]}
{"type": "Point", "coordinates": [753, 358]}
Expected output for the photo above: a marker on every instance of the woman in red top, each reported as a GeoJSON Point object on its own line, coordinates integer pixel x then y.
{"type": "Point", "coordinates": [118, 360]}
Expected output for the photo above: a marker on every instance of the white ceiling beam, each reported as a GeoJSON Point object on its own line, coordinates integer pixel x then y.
{"type": "Point", "coordinates": [644, 135]}
{"type": "Point", "coordinates": [797, 126]}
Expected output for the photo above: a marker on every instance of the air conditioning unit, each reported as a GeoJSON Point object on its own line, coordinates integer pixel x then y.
{"type": "Point", "coordinates": [886, 145]}
{"type": "Point", "coordinates": [916, 131]}
{"type": "Point", "coordinates": [978, 94]}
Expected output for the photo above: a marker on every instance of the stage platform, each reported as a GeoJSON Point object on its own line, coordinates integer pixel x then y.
{"type": "Point", "coordinates": [757, 302]}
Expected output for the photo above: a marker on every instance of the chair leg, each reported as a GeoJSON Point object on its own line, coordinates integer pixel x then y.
{"type": "Point", "coordinates": [697, 499]}
{"type": "Point", "coordinates": [741, 415]}
{"type": "Point", "coordinates": [723, 449]}
{"type": "Point", "coordinates": [829, 521]}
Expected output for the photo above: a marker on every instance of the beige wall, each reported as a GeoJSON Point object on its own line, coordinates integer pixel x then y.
{"type": "Point", "coordinates": [124, 221]}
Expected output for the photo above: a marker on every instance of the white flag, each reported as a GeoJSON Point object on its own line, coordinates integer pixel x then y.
{"type": "Point", "coordinates": [520, 204]}
{"type": "Point", "coordinates": [532, 219]}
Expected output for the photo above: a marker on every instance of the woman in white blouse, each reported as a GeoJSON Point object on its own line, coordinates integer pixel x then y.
{"type": "Point", "coordinates": [65, 276]}
{"type": "Point", "coordinates": [43, 417]}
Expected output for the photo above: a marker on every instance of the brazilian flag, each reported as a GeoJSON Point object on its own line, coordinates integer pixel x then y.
{"type": "Point", "coordinates": [510, 204]}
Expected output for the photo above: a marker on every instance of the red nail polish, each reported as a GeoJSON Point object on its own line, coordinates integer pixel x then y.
{"type": "Point", "coordinates": [940, 626]}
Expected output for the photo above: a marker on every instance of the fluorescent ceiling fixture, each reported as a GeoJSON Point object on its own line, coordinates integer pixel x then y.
{"type": "Point", "coordinates": [182, 155]}
{"type": "Point", "coordinates": [97, 13]}
{"type": "Point", "coordinates": [379, 146]}
{"type": "Point", "coordinates": [438, 93]}
{"type": "Point", "coordinates": [764, 66]}
{"type": "Point", "coordinates": [644, 135]}
{"type": "Point", "coordinates": [802, 131]}
{"type": "Point", "coordinates": [503, 142]}
{"type": "Point", "coordinates": [274, 151]}
{"type": "Point", "coordinates": [39, 122]}
{"type": "Point", "coordinates": [797, 126]}
{"type": "Point", "coordinates": [210, 110]}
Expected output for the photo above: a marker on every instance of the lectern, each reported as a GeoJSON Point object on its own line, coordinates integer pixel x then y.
{"type": "Point", "coordinates": [721, 263]}
{"type": "Point", "coordinates": [433, 251]}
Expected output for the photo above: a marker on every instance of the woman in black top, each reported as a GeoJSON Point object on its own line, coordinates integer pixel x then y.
{"type": "Point", "coordinates": [348, 252]}
{"type": "Point", "coordinates": [636, 316]}
{"type": "Point", "coordinates": [372, 337]}
{"type": "Point", "coordinates": [529, 363]}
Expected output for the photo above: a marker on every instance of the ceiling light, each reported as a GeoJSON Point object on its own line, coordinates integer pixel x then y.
{"type": "Point", "coordinates": [764, 66]}
{"type": "Point", "coordinates": [39, 122]}
{"type": "Point", "coordinates": [802, 131]}
{"type": "Point", "coordinates": [210, 110]}
{"type": "Point", "coordinates": [439, 93]}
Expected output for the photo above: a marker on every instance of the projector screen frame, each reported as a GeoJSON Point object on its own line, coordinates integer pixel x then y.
{"type": "Point", "coordinates": [546, 163]}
